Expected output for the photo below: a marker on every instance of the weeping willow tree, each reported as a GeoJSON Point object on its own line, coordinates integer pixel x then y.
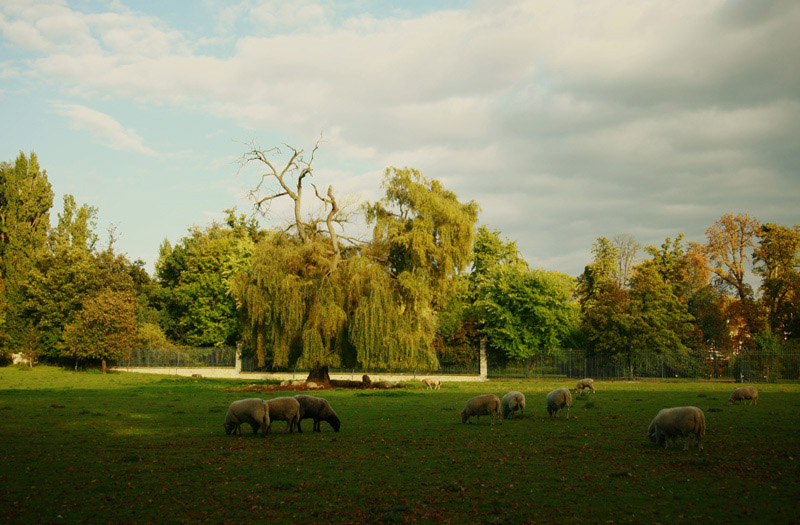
{"type": "Point", "coordinates": [309, 302]}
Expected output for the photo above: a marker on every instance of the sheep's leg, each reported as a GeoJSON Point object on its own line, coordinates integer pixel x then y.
{"type": "Point", "coordinates": [699, 440]}
{"type": "Point", "coordinates": [567, 412]}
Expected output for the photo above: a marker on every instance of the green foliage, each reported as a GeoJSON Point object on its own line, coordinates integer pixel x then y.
{"type": "Point", "coordinates": [299, 313]}
{"type": "Point", "coordinates": [425, 233]}
{"type": "Point", "coordinates": [598, 275]}
{"type": "Point", "coordinates": [527, 313]}
{"type": "Point", "coordinates": [25, 201]}
{"type": "Point", "coordinates": [195, 276]}
{"type": "Point", "coordinates": [777, 263]}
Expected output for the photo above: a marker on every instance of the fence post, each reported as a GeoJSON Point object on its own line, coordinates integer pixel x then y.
{"type": "Point", "coordinates": [484, 365]}
{"type": "Point", "coordinates": [237, 367]}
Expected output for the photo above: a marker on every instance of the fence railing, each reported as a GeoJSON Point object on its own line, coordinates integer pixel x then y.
{"type": "Point", "coordinates": [179, 357]}
{"type": "Point", "coordinates": [747, 366]}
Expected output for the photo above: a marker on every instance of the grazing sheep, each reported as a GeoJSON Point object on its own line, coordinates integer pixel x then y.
{"type": "Point", "coordinates": [744, 393]}
{"type": "Point", "coordinates": [585, 383]}
{"type": "Point", "coordinates": [284, 409]}
{"type": "Point", "coordinates": [253, 411]}
{"type": "Point", "coordinates": [432, 384]}
{"type": "Point", "coordinates": [558, 399]}
{"type": "Point", "coordinates": [680, 421]}
{"type": "Point", "coordinates": [485, 405]}
{"type": "Point", "coordinates": [512, 402]}
{"type": "Point", "coordinates": [319, 410]}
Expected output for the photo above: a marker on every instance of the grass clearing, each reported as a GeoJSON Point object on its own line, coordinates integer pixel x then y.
{"type": "Point", "coordinates": [81, 447]}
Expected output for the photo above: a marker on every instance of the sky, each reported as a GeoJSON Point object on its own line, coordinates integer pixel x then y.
{"type": "Point", "coordinates": [565, 120]}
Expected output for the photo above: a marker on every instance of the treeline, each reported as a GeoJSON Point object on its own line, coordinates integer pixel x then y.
{"type": "Point", "coordinates": [429, 288]}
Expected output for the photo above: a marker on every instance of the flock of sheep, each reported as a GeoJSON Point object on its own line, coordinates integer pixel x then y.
{"type": "Point", "coordinates": [668, 424]}
{"type": "Point", "coordinates": [260, 413]}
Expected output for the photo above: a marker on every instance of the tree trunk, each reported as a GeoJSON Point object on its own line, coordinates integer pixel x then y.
{"type": "Point", "coordinates": [319, 375]}
{"type": "Point", "coordinates": [103, 365]}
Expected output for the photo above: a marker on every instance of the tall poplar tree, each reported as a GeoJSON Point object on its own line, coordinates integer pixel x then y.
{"type": "Point", "coordinates": [25, 201]}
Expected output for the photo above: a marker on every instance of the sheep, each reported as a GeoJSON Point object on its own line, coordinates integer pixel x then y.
{"type": "Point", "coordinates": [284, 409]}
{"type": "Point", "coordinates": [512, 402]}
{"type": "Point", "coordinates": [744, 393]}
{"type": "Point", "coordinates": [485, 405]}
{"type": "Point", "coordinates": [558, 399]}
{"type": "Point", "coordinates": [585, 383]}
{"type": "Point", "coordinates": [679, 421]}
{"type": "Point", "coordinates": [253, 411]}
{"type": "Point", "coordinates": [318, 409]}
{"type": "Point", "coordinates": [432, 384]}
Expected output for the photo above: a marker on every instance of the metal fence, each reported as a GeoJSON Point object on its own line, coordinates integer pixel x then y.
{"type": "Point", "coordinates": [746, 366]}
{"type": "Point", "coordinates": [179, 357]}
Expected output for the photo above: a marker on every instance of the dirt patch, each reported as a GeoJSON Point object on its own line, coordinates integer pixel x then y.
{"type": "Point", "coordinates": [272, 388]}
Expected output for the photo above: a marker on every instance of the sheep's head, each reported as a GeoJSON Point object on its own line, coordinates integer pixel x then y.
{"type": "Point", "coordinates": [334, 422]}
{"type": "Point", "coordinates": [228, 428]}
{"type": "Point", "coordinates": [464, 416]}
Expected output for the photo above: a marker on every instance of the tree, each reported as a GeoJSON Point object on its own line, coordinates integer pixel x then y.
{"type": "Point", "coordinates": [104, 328]}
{"type": "Point", "coordinates": [728, 243]}
{"type": "Point", "coordinates": [627, 247]}
{"type": "Point", "coordinates": [527, 313]}
{"type": "Point", "coordinates": [195, 279]}
{"type": "Point", "coordinates": [648, 317]}
{"type": "Point", "coordinates": [308, 301]}
{"type": "Point", "coordinates": [423, 233]}
{"type": "Point", "coordinates": [599, 273]}
{"type": "Point", "coordinates": [25, 201]}
{"type": "Point", "coordinates": [68, 272]}
{"type": "Point", "coordinates": [777, 259]}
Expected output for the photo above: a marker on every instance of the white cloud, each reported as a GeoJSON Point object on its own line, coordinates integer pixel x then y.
{"type": "Point", "coordinates": [622, 113]}
{"type": "Point", "coordinates": [103, 127]}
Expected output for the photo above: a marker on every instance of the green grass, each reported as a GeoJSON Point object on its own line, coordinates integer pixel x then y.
{"type": "Point", "coordinates": [130, 448]}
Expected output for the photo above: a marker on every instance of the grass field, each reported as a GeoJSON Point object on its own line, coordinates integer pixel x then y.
{"type": "Point", "coordinates": [128, 448]}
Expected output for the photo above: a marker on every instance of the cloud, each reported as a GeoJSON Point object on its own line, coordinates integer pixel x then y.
{"type": "Point", "coordinates": [103, 127]}
{"type": "Point", "coordinates": [564, 119]}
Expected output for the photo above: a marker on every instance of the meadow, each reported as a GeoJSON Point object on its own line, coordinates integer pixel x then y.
{"type": "Point", "coordinates": [132, 448]}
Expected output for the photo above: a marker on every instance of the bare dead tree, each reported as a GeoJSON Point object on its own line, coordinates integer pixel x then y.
{"type": "Point", "coordinates": [329, 221]}
{"type": "Point", "coordinates": [296, 167]}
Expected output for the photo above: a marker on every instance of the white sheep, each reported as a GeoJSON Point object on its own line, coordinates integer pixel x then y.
{"type": "Point", "coordinates": [253, 411]}
{"type": "Point", "coordinates": [319, 410]}
{"type": "Point", "coordinates": [744, 393]}
{"type": "Point", "coordinates": [512, 402]}
{"type": "Point", "coordinates": [485, 405]}
{"type": "Point", "coordinates": [284, 409]}
{"type": "Point", "coordinates": [432, 384]}
{"type": "Point", "coordinates": [679, 421]}
{"type": "Point", "coordinates": [585, 383]}
{"type": "Point", "coordinates": [558, 399]}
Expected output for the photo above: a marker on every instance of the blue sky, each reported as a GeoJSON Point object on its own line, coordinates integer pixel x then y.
{"type": "Point", "coordinates": [565, 120]}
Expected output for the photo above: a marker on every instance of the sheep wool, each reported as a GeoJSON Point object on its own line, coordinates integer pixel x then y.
{"type": "Point", "coordinates": [512, 402]}
{"type": "Point", "coordinates": [432, 384]}
{"type": "Point", "coordinates": [679, 421]}
{"type": "Point", "coordinates": [743, 394]}
{"type": "Point", "coordinates": [585, 383]}
{"type": "Point", "coordinates": [558, 399]}
{"type": "Point", "coordinates": [284, 409]}
{"type": "Point", "coordinates": [253, 411]}
{"type": "Point", "coordinates": [318, 409]}
{"type": "Point", "coordinates": [485, 405]}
